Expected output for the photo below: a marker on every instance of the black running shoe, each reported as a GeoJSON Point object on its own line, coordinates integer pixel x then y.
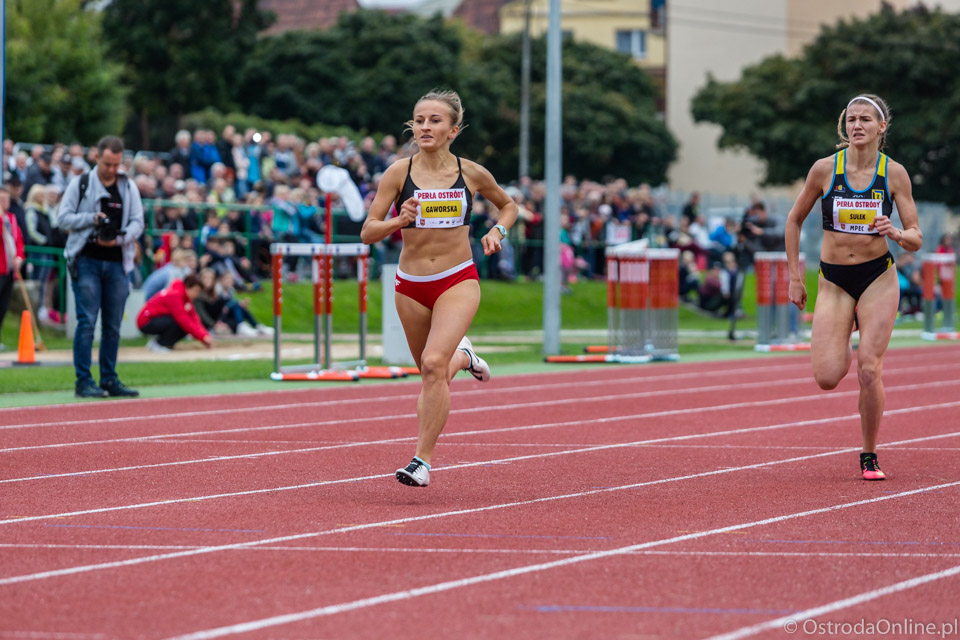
{"type": "Point", "coordinates": [870, 467]}
{"type": "Point", "coordinates": [117, 389]}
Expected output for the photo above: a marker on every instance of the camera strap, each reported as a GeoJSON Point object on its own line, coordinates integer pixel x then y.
{"type": "Point", "coordinates": [84, 183]}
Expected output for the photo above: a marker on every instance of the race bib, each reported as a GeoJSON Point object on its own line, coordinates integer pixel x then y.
{"type": "Point", "coordinates": [856, 216]}
{"type": "Point", "coordinates": [440, 208]}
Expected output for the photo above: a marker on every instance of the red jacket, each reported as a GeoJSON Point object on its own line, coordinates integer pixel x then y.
{"type": "Point", "coordinates": [5, 264]}
{"type": "Point", "coordinates": [173, 301]}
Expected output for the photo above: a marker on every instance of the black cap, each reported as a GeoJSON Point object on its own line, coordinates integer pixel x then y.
{"type": "Point", "coordinates": [12, 177]}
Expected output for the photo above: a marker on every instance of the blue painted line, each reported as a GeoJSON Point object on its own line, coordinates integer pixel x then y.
{"type": "Point", "coordinates": [482, 535]}
{"type": "Point", "coordinates": [556, 608]}
{"type": "Point", "coordinates": [111, 526]}
{"type": "Point", "coordinates": [872, 542]}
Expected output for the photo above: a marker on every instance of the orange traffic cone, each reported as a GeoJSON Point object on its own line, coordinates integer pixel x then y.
{"type": "Point", "coordinates": [26, 353]}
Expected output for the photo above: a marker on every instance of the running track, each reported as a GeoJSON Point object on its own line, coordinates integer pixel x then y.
{"type": "Point", "coordinates": [707, 500]}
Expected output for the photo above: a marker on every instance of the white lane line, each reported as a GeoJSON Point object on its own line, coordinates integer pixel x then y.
{"type": "Point", "coordinates": [409, 594]}
{"type": "Point", "coordinates": [462, 550]}
{"type": "Point", "coordinates": [846, 603]}
{"type": "Point", "coordinates": [819, 396]}
{"type": "Point", "coordinates": [408, 439]}
{"type": "Point", "coordinates": [890, 371]}
{"type": "Point", "coordinates": [443, 514]}
{"type": "Point", "coordinates": [413, 396]}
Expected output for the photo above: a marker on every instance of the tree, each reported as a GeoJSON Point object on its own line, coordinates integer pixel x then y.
{"type": "Point", "coordinates": [784, 111]}
{"type": "Point", "coordinates": [369, 69]}
{"type": "Point", "coordinates": [60, 86]}
{"type": "Point", "coordinates": [181, 55]}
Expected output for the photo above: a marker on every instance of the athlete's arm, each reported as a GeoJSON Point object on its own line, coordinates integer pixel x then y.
{"type": "Point", "coordinates": [485, 184]}
{"type": "Point", "coordinates": [818, 175]}
{"type": "Point", "coordinates": [910, 237]}
{"type": "Point", "coordinates": [376, 227]}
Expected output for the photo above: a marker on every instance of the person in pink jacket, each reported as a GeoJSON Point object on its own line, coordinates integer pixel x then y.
{"type": "Point", "coordinates": [170, 316]}
{"type": "Point", "coordinates": [11, 253]}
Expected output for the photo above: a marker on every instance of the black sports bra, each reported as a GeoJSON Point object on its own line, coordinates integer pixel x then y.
{"type": "Point", "coordinates": [439, 208]}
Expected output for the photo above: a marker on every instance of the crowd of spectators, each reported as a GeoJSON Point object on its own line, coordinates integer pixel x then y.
{"type": "Point", "coordinates": [195, 184]}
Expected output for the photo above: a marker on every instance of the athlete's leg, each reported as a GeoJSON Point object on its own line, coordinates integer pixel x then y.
{"type": "Point", "coordinates": [439, 359]}
{"type": "Point", "coordinates": [830, 350]}
{"type": "Point", "coordinates": [877, 311]}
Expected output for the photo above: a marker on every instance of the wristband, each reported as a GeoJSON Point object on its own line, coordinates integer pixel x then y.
{"type": "Point", "coordinates": [502, 229]}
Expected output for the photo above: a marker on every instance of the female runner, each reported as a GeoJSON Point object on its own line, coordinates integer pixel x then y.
{"type": "Point", "coordinates": [858, 286]}
{"type": "Point", "coordinates": [437, 286]}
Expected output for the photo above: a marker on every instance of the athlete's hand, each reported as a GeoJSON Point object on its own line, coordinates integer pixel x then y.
{"type": "Point", "coordinates": [885, 227]}
{"type": "Point", "coordinates": [798, 294]}
{"type": "Point", "coordinates": [408, 212]}
{"type": "Point", "coordinates": [491, 242]}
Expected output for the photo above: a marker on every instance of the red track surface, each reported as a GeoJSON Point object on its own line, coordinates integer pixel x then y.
{"type": "Point", "coordinates": [678, 500]}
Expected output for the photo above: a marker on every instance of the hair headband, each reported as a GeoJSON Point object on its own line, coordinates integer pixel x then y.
{"type": "Point", "coordinates": [871, 102]}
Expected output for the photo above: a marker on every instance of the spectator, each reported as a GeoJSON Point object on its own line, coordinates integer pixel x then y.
{"type": "Point", "coordinates": [39, 173]}
{"type": "Point", "coordinates": [105, 225]}
{"type": "Point", "coordinates": [759, 233]}
{"type": "Point", "coordinates": [710, 291]}
{"type": "Point", "coordinates": [911, 284]}
{"type": "Point", "coordinates": [182, 263]}
{"type": "Point", "coordinates": [203, 155]}
{"type": "Point", "coordinates": [692, 209]}
{"type": "Point", "coordinates": [11, 253]}
{"type": "Point", "coordinates": [689, 275]}
{"type": "Point", "coordinates": [180, 154]}
{"type": "Point", "coordinates": [39, 232]}
{"type": "Point", "coordinates": [14, 188]}
{"type": "Point", "coordinates": [236, 313]}
{"type": "Point", "coordinates": [170, 316]}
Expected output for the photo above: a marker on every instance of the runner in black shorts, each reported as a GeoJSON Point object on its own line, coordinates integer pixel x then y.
{"type": "Point", "coordinates": [856, 187]}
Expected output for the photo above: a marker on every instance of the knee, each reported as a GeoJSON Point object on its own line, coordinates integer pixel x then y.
{"type": "Point", "coordinates": [827, 381]}
{"type": "Point", "coordinates": [868, 374]}
{"type": "Point", "coordinates": [433, 367]}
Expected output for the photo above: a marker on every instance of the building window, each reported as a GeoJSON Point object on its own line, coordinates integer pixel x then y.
{"type": "Point", "coordinates": [633, 43]}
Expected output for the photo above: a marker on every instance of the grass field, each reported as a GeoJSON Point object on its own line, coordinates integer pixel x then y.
{"type": "Point", "coordinates": [513, 308]}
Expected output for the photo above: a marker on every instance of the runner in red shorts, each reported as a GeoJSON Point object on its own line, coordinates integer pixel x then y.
{"type": "Point", "coordinates": [438, 290]}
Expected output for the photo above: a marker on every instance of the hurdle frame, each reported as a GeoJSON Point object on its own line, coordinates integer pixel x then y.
{"type": "Point", "coordinates": [643, 302]}
{"type": "Point", "coordinates": [940, 267]}
{"type": "Point", "coordinates": [322, 265]}
{"type": "Point", "coordinates": [773, 302]}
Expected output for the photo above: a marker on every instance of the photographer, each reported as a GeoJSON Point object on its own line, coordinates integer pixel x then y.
{"type": "Point", "coordinates": [102, 212]}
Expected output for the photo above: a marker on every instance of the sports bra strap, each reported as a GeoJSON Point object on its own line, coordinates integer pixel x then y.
{"type": "Point", "coordinates": [409, 166]}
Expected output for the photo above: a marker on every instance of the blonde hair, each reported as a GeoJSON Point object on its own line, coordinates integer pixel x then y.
{"type": "Point", "coordinates": [37, 195]}
{"type": "Point", "coordinates": [873, 101]}
{"type": "Point", "coordinates": [451, 99]}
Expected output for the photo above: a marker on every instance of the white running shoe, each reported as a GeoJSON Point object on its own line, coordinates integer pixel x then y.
{"type": "Point", "coordinates": [264, 330]}
{"type": "Point", "coordinates": [246, 329]}
{"type": "Point", "coordinates": [478, 367]}
{"type": "Point", "coordinates": [156, 347]}
{"type": "Point", "coordinates": [415, 474]}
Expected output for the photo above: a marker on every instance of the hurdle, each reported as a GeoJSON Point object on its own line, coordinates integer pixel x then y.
{"type": "Point", "coordinates": [773, 302]}
{"type": "Point", "coordinates": [322, 257]}
{"type": "Point", "coordinates": [643, 302]}
{"type": "Point", "coordinates": [942, 267]}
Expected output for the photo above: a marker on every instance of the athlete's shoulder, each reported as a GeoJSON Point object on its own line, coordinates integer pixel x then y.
{"type": "Point", "coordinates": [824, 166]}
{"type": "Point", "coordinates": [474, 170]}
{"type": "Point", "coordinates": [397, 170]}
{"type": "Point", "coordinates": [896, 172]}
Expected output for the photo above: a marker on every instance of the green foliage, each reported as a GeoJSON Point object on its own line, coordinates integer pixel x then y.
{"type": "Point", "coordinates": [368, 71]}
{"type": "Point", "coordinates": [785, 111]}
{"type": "Point", "coordinates": [215, 120]}
{"type": "Point", "coordinates": [181, 55]}
{"type": "Point", "coordinates": [60, 85]}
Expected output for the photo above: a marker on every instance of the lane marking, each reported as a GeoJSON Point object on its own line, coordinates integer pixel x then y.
{"type": "Point", "coordinates": [480, 392]}
{"type": "Point", "coordinates": [408, 439]}
{"type": "Point", "coordinates": [412, 416]}
{"type": "Point", "coordinates": [445, 514]}
{"type": "Point", "coordinates": [409, 594]}
{"type": "Point", "coordinates": [837, 605]}
{"type": "Point", "coordinates": [412, 396]}
{"type": "Point", "coordinates": [460, 550]}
